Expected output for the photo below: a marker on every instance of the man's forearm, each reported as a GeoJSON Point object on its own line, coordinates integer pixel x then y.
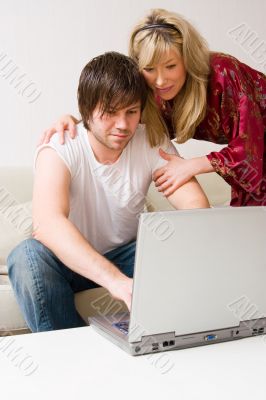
{"type": "Point", "coordinates": [67, 243]}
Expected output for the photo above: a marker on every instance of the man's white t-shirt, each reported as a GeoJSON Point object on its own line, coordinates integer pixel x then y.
{"type": "Point", "coordinates": [105, 200]}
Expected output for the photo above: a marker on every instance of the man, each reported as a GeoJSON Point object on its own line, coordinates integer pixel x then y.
{"type": "Point", "coordinates": [87, 196]}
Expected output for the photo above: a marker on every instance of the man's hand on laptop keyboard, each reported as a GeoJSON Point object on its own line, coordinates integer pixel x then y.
{"type": "Point", "coordinates": [121, 289]}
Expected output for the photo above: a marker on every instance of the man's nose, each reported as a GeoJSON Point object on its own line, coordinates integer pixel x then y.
{"type": "Point", "coordinates": [121, 122]}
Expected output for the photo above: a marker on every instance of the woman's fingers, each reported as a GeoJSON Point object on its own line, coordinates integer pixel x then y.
{"type": "Point", "coordinates": [158, 173]}
{"type": "Point", "coordinates": [172, 188]}
{"type": "Point", "coordinates": [60, 129]}
{"type": "Point", "coordinates": [67, 122]}
{"type": "Point", "coordinates": [46, 136]}
{"type": "Point", "coordinates": [164, 186]}
{"type": "Point", "coordinates": [160, 181]}
{"type": "Point", "coordinates": [169, 191]}
{"type": "Point", "coordinates": [72, 129]}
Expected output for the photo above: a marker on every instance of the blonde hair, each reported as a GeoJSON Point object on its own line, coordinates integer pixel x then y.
{"type": "Point", "coordinates": [147, 47]}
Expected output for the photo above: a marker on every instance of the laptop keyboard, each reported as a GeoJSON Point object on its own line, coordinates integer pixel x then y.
{"type": "Point", "coordinates": [122, 326]}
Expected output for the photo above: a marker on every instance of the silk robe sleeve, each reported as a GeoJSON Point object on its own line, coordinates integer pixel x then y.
{"type": "Point", "coordinates": [235, 102]}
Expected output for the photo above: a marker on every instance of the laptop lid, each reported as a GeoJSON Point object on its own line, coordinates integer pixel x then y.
{"type": "Point", "coordinates": [191, 267]}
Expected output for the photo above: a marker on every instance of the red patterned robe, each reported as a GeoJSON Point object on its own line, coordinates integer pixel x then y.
{"type": "Point", "coordinates": [236, 115]}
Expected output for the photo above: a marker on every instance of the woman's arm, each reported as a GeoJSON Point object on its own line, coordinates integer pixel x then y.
{"type": "Point", "coordinates": [237, 116]}
{"type": "Point", "coordinates": [178, 171]}
{"type": "Point", "coordinates": [241, 162]}
{"type": "Point", "coordinates": [65, 123]}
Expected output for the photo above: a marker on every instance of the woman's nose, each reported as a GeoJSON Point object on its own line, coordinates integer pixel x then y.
{"type": "Point", "coordinates": [160, 79]}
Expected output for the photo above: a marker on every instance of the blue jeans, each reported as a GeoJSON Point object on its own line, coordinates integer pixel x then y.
{"type": "Point", "coordinates": [45, 287]}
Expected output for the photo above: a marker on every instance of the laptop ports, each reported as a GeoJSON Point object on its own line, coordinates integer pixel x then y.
{"type": "Point", "coordinates": [168, 343]}
{"type": "Point", "coordinates": [210, 337]}
{"type": "Point", "coordinates": [137, 349]}
{"type": "Point", "coordinates": [257, 331]}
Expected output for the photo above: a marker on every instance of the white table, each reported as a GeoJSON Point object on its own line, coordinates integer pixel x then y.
{"type": "Point", "coordinates": [79, 363]}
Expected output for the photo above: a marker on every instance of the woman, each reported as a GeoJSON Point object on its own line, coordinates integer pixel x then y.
{"type": "Point", "coordinates": [195, 93]}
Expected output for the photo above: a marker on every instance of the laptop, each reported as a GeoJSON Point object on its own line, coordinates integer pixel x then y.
{"type": "Point", "coordinates": [199, 279]}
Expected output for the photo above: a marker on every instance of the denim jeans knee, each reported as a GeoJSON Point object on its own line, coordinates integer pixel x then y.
{"type": "Point", "coordinates": [41, 286]}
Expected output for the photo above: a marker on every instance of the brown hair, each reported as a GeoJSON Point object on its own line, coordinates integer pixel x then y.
{"type": "Point", "coordinates": [111, 81]}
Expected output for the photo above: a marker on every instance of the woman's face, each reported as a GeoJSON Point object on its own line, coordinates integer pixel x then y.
{"type": "Point", "coordinates": [167, 77]}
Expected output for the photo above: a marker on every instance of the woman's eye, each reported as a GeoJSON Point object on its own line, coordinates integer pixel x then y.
{"type": "Point", "coordinates": [171, 66]}
{"type": "Point", "coordinates": [148, 69]}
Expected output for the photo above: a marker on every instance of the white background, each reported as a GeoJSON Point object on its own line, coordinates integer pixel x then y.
{"type": "Point", "coordinates": [50, 41]}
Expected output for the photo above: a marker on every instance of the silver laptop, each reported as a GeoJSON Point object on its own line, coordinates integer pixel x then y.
{"type": "Point", "coordinates": [199, 278]}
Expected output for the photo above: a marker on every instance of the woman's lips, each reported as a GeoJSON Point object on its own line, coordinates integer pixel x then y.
{"type": "Point", "coordinates": [163, 90]}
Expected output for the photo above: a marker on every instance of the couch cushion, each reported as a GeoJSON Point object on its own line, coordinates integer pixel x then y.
{"type": "Point", "coordinates": [3, 270]}
{"type": "Point", "coordinates": [17, 181]}
{"type": "Point", "coordinates": [215, 187]}
{"type": "Point", "coordinates": [15, 226]}
{"type": "Point", "coordinates": [11, 320]}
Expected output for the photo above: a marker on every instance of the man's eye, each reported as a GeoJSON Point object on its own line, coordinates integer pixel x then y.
{"type": "Point", "coordinates": [132, 111]}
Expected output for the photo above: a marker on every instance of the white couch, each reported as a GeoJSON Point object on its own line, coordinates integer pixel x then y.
{"type": "Point", "coordinates": [15, 225]}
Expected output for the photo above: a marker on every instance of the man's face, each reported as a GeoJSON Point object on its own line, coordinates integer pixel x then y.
{"type": "Point", "coordinates": [115, 128]}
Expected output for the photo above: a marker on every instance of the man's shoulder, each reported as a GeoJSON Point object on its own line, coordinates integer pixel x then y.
{"type": "Point", "coordinates": [139, 141]}
{"type": "Point", "coordinates": [73, 149]}
{"type": "Point", "coordinates": [71, 152]}
{"type": "Point", "coordinates": [141, 136]}
{"type": "Point", "coordinates": [141, 133]}
{"type": "Point", "coordinates": [68, 141]}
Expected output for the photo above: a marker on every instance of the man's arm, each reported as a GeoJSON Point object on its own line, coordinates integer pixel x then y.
{"type": "Point", "coordinates": [53, 228]}
{"type": "Point", "coordinates": [190, 195]}
{"type": "Point", "coordinates": [186, 195]}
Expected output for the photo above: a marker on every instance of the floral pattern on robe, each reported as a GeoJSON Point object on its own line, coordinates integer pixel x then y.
{"type": "Point", "coordinates": [236, 116]}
